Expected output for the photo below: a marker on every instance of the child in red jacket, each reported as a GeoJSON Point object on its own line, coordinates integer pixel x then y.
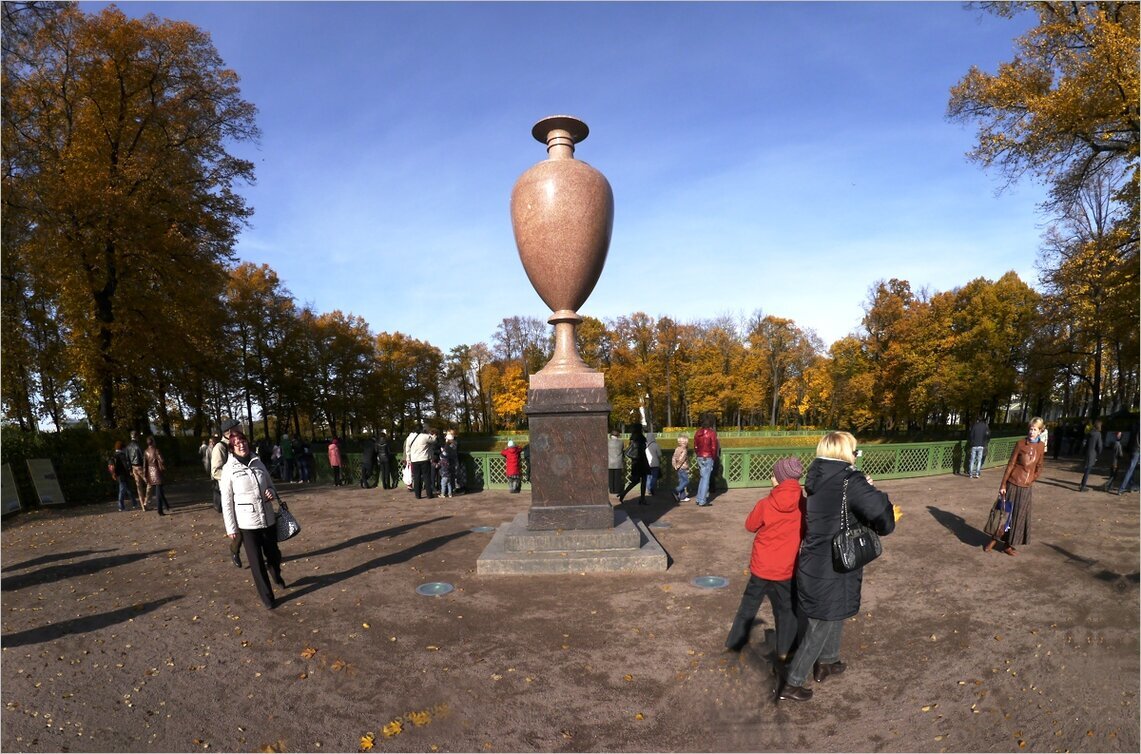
{"type": "Point", "coordinates": [776, 519]}
{"type": "Point", "coordinates": [511, 466]}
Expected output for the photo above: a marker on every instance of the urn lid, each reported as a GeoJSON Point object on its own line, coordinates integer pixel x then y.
{"type": "Point", "coordinates": [574, 127]}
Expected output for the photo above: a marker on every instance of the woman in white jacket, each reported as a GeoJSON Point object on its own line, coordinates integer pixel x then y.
{"type": "Point", "coordinates": [247, 507]}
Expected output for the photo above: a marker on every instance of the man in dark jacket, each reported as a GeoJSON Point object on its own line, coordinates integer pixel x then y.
{"type": "Point", "coordinates": [979, 437]}
{"type": "Point", "coordinates": [1093, 450]}
{"type": "Point", "coordinates": [384, 461]}
{"type": "Point", "coordinates": [368, 463]}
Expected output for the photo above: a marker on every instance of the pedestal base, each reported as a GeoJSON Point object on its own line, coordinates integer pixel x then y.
{"type": "Point", "coordinates": [625, 547]}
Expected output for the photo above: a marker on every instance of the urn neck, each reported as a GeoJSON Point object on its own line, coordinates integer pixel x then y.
{"type": "Point", "coordinates": [560, 145]}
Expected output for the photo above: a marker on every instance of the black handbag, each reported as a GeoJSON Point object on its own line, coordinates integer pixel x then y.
{"type": "Point", "coordinates": [854, 546]}
{"type": "Point", "coordinates": [287, 526]}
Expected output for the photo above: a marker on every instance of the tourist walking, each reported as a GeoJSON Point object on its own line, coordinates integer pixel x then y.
{"type": "Point", "coordinates": [654, 459]}
{"type": "Point", "coordinates": [1093, 451]}
{"type": "Point", "coordinates": [1116, 453]}
{"type": "Point", "coordinates": [247, 508]}
{"type": "Point", "coordinates": [615, 466]}
{"type": "Point", "coordinates": [708, 448]}
{"type": "Point", "coordinates": [512, 466]}
{"type": "Point", "coordinates": [135, 458]}
{"type": "Point", "coordinates": [121, 469]}
{"type": "Point", "coordinates": [826, 596]}
{"type": "Point", "coordinates": [979, 436]}
{"type": "Point", "coordinates": [1015, 491]}
{"type": "Point", "coordinates": [680, 462]}
{"type": "Point", "coordinates": [776, 523]}
{"type": "Point", "coordinates": [219, 456]}
{"type": "Point", "coordinates": [1133, 454]}
{"type": "Point", "coordinates": [639, 466]}
{"type": "Point", "coordinates": [153, 468]}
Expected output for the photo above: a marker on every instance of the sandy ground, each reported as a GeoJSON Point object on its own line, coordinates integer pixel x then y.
{"type": "Point", "coordinates": [131, 632]}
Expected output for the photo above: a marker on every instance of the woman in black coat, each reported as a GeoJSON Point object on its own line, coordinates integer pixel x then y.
{"type": "Point", "coordinates": [825, 596]}
{"type": "Point", "coordinates": [639, 463]}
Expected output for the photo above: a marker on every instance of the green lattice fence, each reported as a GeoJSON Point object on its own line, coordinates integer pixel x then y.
{"type": "Point", "coordinates": [753, 467]}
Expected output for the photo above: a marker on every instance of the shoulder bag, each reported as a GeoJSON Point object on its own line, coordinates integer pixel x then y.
{"type": "Point", "coordinates": [998, 522]}
{"type": "Point", "coordinates": [287, 526]}
{"type": "Point", "coordinates": [855, 545]}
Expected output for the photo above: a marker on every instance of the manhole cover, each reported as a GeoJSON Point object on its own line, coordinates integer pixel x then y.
{"type": "Point", "coordinates": [482, 529]}
{"type": "Point", "coordinates": [434, 588]}
{"type": "Point", "coordinates": [710, 582]}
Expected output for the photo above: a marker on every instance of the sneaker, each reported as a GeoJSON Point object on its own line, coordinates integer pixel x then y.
{"type": "Point", "coordinates": [684, 499]}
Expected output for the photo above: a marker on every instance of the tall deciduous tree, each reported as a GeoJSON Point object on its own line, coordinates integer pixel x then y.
{"type": "Point", "coordinates": [116, 168]}
{"type": "Point", "coordinates": [1066, 107]}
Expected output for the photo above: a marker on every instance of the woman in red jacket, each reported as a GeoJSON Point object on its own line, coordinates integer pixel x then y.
{"type": "Point", "coordinates": [776, 519]}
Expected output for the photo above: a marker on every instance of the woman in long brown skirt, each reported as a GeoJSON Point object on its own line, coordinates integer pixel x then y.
{"type": "Point", "coordinates": [1021, 471]}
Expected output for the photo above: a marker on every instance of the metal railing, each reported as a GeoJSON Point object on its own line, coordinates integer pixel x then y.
{"type": "Point", "coordinates": [752, 467]}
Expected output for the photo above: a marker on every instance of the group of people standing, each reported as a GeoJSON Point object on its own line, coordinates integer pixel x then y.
{"type": "Point", "coordinates": [645, 457]}
{"type": "Point", "coordinates": [432, 467]}
{"type": "Point", "coordinates": [139, 473]}
{"type": "Point", "coordinates": [376, 460]}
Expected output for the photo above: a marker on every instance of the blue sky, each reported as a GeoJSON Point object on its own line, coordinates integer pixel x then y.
{"type": "Point", "coordinates": [779, 157]}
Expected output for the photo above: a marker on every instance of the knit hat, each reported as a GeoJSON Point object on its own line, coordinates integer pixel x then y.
{"type": "Point", "coordinates": [788, 468]}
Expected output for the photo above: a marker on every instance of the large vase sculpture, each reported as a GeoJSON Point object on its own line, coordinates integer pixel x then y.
{"type": "Point", "coordinates": [562, 211]}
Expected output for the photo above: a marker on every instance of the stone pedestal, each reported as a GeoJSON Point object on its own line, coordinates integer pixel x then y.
{"type": "Point", "coordinates": [626, 546]}
{"type": "Point", "coordinates": [568, 456]}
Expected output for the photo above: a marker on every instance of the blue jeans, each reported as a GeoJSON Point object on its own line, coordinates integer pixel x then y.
{"type": "Point", "coordinates": [652, 479]}
{"type": "Point", "coordinates": [705, 468]}
{"type": "Point", "coordinates": [1128, 474]}
{"type": "Point", "coordinates": [124, 491]}
{"type": "Point", "coordinates": [682, 482]}
{"type": "Point", "coordinates": [821, 643]}
{"type": "Point", "coordinates": [977, 452]}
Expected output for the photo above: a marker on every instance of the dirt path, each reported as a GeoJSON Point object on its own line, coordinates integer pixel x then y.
{"type": "Point", "coordinates": [131, 632]}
